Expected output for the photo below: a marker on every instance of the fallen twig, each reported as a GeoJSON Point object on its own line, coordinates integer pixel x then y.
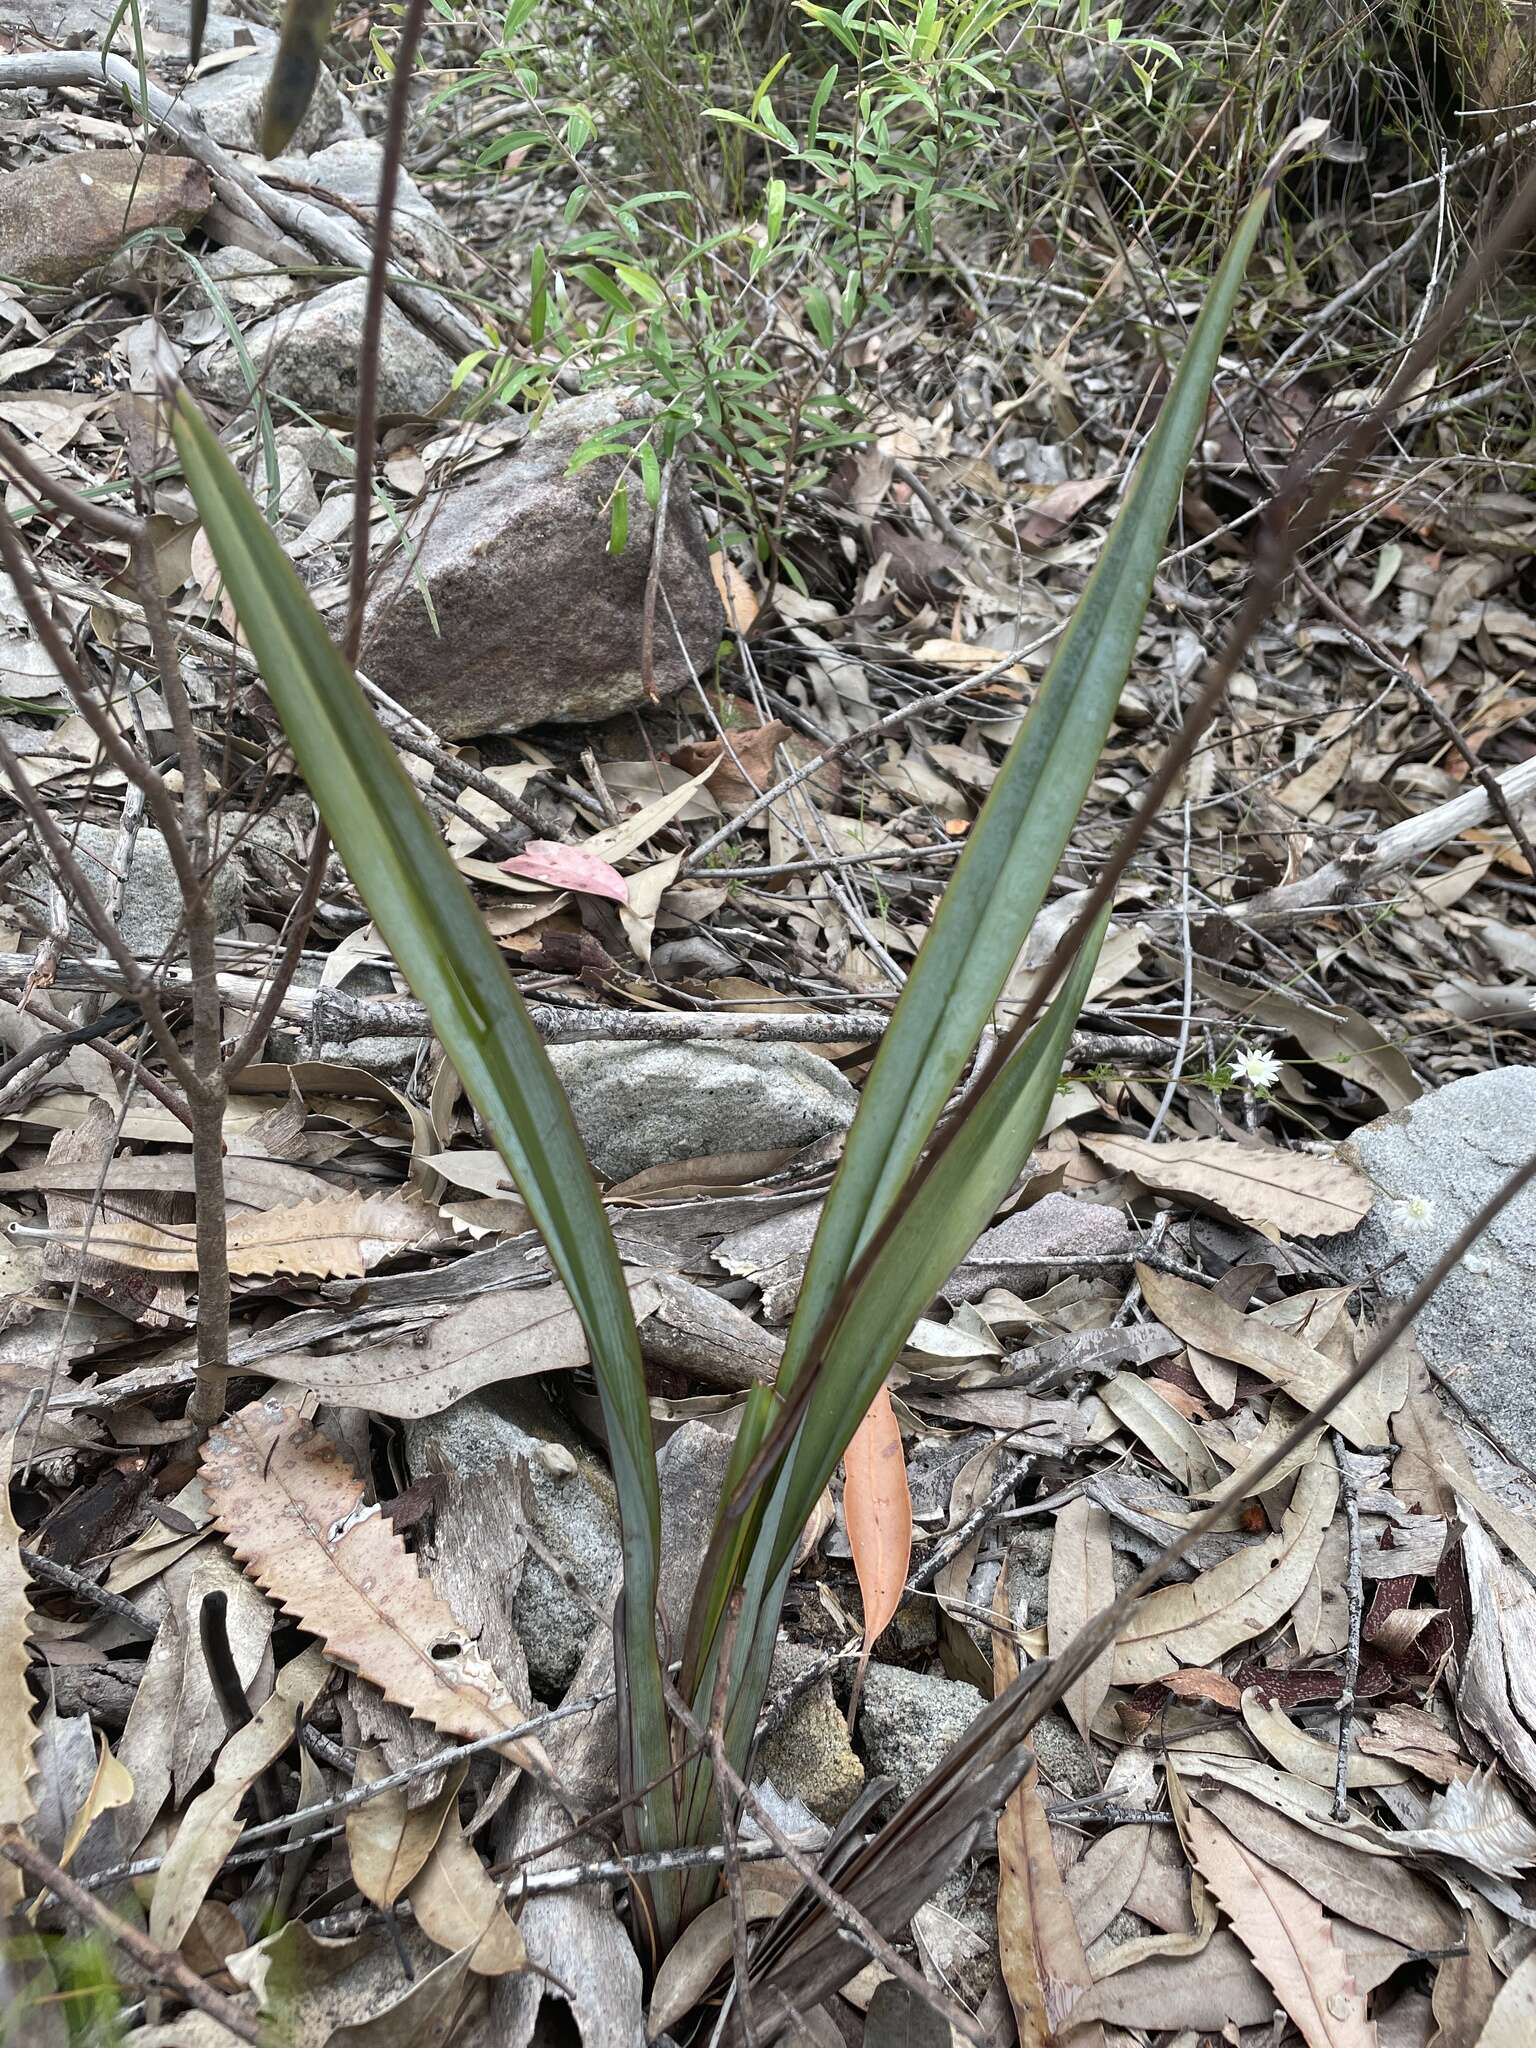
{"type": "Point", "coordinates": [161, 1964]}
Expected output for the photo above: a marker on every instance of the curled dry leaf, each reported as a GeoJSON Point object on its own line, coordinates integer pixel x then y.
{"type": "Point", "coordinates": [17, 1728]}
{"type": "Point", "coordinates": [1279, 1194]}
{"type": "Point", "coordinates": [292, 1511]}
{"type": "Point", "coordinates": [1287, 1934]}
{"type": "Point", "coordinates": [339, 1239]}
{"type": "Point", "coordinates": [1039, 1948]}
{"type": "Point", "coordinates": [745, 763]}
{"type": "Point", "coordinates": [1251, 1591]}
{"type": "Point", "coordinates": [877, 1507]}
{"type": "Point", "coordinates": [1306, 1757]}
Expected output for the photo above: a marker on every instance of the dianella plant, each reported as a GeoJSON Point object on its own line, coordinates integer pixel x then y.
{"type": "Point", "coordinates": [908, 1200]}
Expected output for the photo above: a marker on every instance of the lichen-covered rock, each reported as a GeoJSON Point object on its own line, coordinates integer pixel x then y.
{"type": "Point", "coordinates": [62, 217]}
{"type": "Point", "coordinates": [809, 1756]}
{"type": "Point", "coordinates": [151, 918]}
{"type": "Point", "coordinates": [640, 1105]}
{"type": "Point", "coordinates": [535, 617]}
{"type": "Point", "coordinates": [308, 354]}
{"type": "Point", "coordinates": [1434, 1164]}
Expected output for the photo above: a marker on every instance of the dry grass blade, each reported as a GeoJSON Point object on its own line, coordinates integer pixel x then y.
{"type": "Point", "coordinates": [292, 1511]}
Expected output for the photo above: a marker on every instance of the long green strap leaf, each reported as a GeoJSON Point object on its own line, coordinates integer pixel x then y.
{"type": "Point", "coordinates": [439, 940]}
{"type": "Point", "coordinates": [1016, 846]}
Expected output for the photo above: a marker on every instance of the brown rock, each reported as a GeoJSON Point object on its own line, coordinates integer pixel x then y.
{"type": "Point", "coordinates": [62, 217]}
{"type": "Point", "coordinates": [538, 621]}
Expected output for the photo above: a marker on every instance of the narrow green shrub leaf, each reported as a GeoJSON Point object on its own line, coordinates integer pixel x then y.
{"type": "Point", "coordinates": [426, 916]}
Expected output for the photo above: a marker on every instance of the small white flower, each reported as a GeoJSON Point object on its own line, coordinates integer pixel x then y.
{"type": "Point", "coordinates": [1257, 1069]}
{"type": "Point", "coordinates": [1413, 1212]}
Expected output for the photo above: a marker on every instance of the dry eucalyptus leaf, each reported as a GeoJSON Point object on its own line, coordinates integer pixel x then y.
{"type": "Point", "coordinates": [388, 1839]}
{"type": "Point", "coordinates": [1304, 1755]}
{"type": "Point", "coordinates": [425, 1368]}
{"type": "Point", "coordinates": [1198, 1622]}
{"type": "Point", "coordinates": [1202, 1318]}
{"type": "Point", "coordinates": [1080, 1584]}
{"type": "Point", "coordinates": [210, 1826]}
{"type": "Point", "coordinates": [459, 1904]}
{"type": "Point", "coordinates": [292, 1512]}
{"type": "Point", "coordinates": [1280, 1194]}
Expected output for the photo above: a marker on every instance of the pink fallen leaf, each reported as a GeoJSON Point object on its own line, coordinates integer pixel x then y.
{"type": "Point", "coordinates": [567, 867]}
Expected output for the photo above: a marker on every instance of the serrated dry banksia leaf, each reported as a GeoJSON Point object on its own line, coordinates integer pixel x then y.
{"type": "Point", "coordinates": [341, 1238]}
{"type": "Point", "coordinates": [291, 1509]}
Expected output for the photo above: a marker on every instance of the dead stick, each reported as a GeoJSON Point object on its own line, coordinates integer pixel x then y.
{"type": "Point", "coordinates": [165, 1967]}
{"type": "Point", "coordinates": [1350, 1487]}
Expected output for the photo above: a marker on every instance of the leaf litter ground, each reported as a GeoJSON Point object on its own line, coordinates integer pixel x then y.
{"type": "Point", "coordinates": [1302, 1783]}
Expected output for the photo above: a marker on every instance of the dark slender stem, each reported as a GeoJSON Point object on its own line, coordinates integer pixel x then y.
{"type": "Point", "coordinates": [68, 1581]}
{"type": "Point", "coordinates": [373, 321]}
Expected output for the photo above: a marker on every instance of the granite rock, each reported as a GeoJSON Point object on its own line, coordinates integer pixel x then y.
{"type": "Point", "coordinates": [536, 619]}
{"type": "Point", "coordinates": [640, 1105]}
{"type": "Point", "coordinates": [65, 215]}
{"type": "Point", "coordinates": [308, 355]}
{"type": "Point", "coordinates": [1433, 1165]}
{"type": "Point", "coordinates": [809, 1756]}
{"type": "Point", "coordinates": [151, 918]}
{"type": "Point", "coordinates": [228, 102]}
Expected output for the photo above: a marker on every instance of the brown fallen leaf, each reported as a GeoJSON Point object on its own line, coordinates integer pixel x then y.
{"type": "Point", "coordinates": [425, 1368]}
{"type": "Point", "coordinates": [1287, 1934]}
{"type": "Point", "coordinates": [292, 1512]}
{"type": "Point", "coordinates": [1408, 1735]}
{"type": "Point", "coordinates": [745, 763]}
{"type": "Point", "coordinates": [1207, 1992]}
{"type": "Point", "coordinates": [210, 1826]}
{"type": "Point", "coordinates": [388, 1840]}
{"type": "Point", "coordinates": [1040, 1951]}
{"type": "Point", "coordinates": [1200, 1316]}
{"type": "Point", "coordinates": [1201, 1620]}
{"type": "Point", "coordinates": [339, 1239]}
{"type": "Point", "coordinates": [877, 1508]}
{"type": "Point", "coordinates": [1512, 2021]}
{"type": "Point", "coordinates": [1463, 1992]}
{"type": "Point", "coordinates": [1304, 1756]}
{"type": "Point", "coordinates": [1279, 1194]}
{"type": "Point", "coordinates": [1081, 1583]}
{"type": "Point", "coordinates": [1348, 1878]}
{"type": "Point", "coordinates": [459, 1905]}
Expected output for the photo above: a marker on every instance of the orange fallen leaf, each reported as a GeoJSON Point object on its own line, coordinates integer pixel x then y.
{"type": "Point", "coordinates": [878, 1510]}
